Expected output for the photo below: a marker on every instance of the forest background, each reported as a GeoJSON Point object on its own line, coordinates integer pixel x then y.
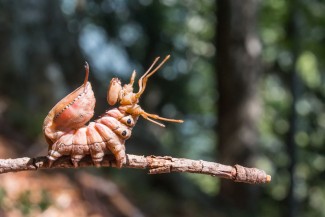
{"type": "Point", "coordinates": [246, 76]}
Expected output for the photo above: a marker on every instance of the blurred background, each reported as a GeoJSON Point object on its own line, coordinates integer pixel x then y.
{"type": "Point", "coordinates": [246, 76]}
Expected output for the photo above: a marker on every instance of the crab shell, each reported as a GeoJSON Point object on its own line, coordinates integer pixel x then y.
{"type": "Point", "coordinates": [71, 113]}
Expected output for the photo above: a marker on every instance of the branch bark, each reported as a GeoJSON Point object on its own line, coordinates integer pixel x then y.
{"type": "Point", "coordinates": [155, 165]}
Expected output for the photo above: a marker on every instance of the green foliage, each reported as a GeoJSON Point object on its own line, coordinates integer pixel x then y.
{"type": "Point", "coordinates": [280, 49]}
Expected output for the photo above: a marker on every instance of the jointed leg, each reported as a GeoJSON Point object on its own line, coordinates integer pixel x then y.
{"type": "Point", "coordinates": [148, 116]}
{"type": "Point", "coordinates": [132, 78]}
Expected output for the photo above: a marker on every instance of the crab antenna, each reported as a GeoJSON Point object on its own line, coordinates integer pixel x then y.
{"type": "Point", "coordinates": [152, 65]}
{"type": "Point", "coordinates": [144, 78]}
{"type": "Point", "coordinates": [140, 80]}
{"type": "Point", "coordinates": [158, 67]}
{"type": "Point", "coordinates": [87, 74]}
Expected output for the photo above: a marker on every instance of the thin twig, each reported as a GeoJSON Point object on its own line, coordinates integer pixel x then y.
{"type": "Point", "coordinates": [155, 164]}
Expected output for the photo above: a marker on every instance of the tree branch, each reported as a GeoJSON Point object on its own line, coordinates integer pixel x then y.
{"type": "Point", "coordinates": [155, 164]}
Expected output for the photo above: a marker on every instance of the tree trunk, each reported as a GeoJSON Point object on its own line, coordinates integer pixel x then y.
{"type": "Point", "coordinates": [238, 68]}
{"type": "Point", "coordinates": [292, 35]}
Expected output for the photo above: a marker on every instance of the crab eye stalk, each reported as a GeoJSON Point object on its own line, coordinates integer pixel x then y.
{"type": "Point", "coordinates": [113, 91]}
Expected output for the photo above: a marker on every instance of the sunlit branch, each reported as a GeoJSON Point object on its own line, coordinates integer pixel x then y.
{"type": "Point", "coordinates": [155, 165]}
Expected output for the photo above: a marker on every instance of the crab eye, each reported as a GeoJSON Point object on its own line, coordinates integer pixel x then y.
{"type": "Point", "coordinates": [124, 133]}
{"type": "Point", "coordinates": [129, 121]}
